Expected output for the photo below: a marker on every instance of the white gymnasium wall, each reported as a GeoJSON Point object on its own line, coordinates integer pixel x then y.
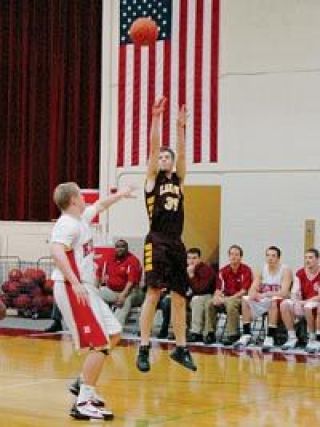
{"type": "Point", "coordinates": [260, 210]}
{"type": "Point", "coordinates": [269, 84]}
{"type": "Point", "coordinates": [269, 127]}
{"type": "Point", "coordinates": [29, 241]}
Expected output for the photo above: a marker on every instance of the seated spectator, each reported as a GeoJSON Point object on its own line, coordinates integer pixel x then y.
{"type": "Point", "coordinates": [305, 301]}
{"type": "Point", "coordinates": [202, 285]}
{"type": "Point", "coordinates": [120, 280]}
{"type": "Point", "coordinates": [234, 281]}
{"type": "Point", "coordinates": [269, 288]}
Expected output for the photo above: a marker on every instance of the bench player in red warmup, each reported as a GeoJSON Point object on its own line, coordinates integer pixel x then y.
{"type": "Point", "coordinates": [89, 319]}
{"type": "Point", "coordinates": [165, 259]}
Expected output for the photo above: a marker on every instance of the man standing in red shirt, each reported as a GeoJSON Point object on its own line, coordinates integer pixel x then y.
{"type": "Point", "coordinates": [202, 283]}
{"type": "Point", "coordinates": [234, 281]}
{"type": "Point", "coordinates": [120, 279]}
{"type": "Point", "coordinates": [305, 301]}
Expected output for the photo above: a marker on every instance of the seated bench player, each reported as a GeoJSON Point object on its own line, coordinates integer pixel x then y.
{"type": "Point", "coordinates": [202, 281]}
{"type": "Point", "coordinates": [270, 286]}
{"type": "Point", "coordinates": [305, 301]}
{"type": "Point", "coordinates": [234, 281]}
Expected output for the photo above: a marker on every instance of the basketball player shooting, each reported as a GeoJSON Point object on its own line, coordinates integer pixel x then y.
{"type": "Point", "coordinates": [165, 258]}
{"type": "Point", "coordinates": [90, 321]}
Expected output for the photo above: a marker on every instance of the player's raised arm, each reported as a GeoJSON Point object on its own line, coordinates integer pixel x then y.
{"type": "Point", "coordinates": [181, 146]}
{"type": "Point", "coordinates": [124, 193]}
{"type": "Point", "coordinates": [157, 109]}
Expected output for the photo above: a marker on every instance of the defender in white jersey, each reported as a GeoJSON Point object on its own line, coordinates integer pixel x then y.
{"type": "Point", "coordinates": [268, 288]}
{"type": "Point", "coordinates": [88, 317]}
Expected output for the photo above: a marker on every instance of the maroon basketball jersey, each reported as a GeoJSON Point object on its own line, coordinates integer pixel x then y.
{"type": "Point", "coordinates": [165, 205]}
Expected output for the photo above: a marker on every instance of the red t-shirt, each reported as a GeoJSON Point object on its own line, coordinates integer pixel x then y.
{"type": "Point", "coordinates": [119, 271]}
{"type": "Point", "coordinates": [232, 282]}
{"type": "Point", "coordinates": [308, 288]}
{"type": "Point", "coordinates": [203, 282]}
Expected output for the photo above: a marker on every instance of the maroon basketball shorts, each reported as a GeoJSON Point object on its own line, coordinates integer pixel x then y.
{"type": "Point", "coordinates": [165, 263]}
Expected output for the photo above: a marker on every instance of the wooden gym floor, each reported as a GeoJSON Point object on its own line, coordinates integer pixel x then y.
{"type": "Point", "coordinates": [229, 389]}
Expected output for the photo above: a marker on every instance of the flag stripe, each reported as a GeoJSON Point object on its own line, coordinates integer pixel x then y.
{"type": "Point", "coordinates": [166, 92]}
{"type": "Point", "coordinates": [197, 100]}
{"type": "Point", "coordinates": [206, 80]}
{"type": "Point", "coordinates": [159, 75]}
{"type": "Point", "coordinates": [182, 50]}
{"type": "Point", "coordinates": [190, 78]}
{"type": "Point", "coordinates": [214, 80]}
{"type": "Point", "coordinates": [143, 106]}
{"type": "Point", "coordinates": [136, 106]}
{"type": "Point", "coordinates": [151, 89]}
{"type": "Point", "coordinates": [121, 103]}
{"type": "Point", "coordinates": [174, 72]}
{"type": "Point", "coordinates": [128, 106]}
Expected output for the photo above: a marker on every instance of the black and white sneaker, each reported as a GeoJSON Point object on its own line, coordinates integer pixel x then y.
{"type": "Point", "coordinates": [95, 399]}
{"type": "Point", "coordinates": [87, 411]}
{"type": "Point", "coordinates": [183, 356]}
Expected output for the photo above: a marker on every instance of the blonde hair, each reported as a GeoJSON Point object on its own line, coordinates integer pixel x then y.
{"type": "Point", "coordinates": [63, 193]}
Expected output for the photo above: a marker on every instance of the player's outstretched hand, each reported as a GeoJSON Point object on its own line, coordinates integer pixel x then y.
{"type": "Point", "coordinates": [182, 116]}
{"type": "Point", "coordinates": [159, 106]}
{"type": "Point", "coordinates": [128, 192]}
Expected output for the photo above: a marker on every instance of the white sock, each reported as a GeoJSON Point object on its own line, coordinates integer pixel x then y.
{"type": "Point", "coordinates": [318, 332]}
{"type": "Point", "coordinates": [312, 336]}
{"type": "Point", "coordinates": [292, 334]}
{"type": "Point", "coordinates": [85, 393]}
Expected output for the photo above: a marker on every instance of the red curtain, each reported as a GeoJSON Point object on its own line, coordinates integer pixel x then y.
{"type": "Point", "coordinates": [50, 70]}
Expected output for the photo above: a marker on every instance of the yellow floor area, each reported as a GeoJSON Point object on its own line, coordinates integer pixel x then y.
{"type": "Point", "coordinates": [229, 389]}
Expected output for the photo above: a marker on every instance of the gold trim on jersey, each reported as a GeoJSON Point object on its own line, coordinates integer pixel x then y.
{"type": "Point", "coordinates": [148, 257]}
{"type": "Point", "coordinates": [150, 205]}
{"type": "Point", "coordinates": [150, 200]}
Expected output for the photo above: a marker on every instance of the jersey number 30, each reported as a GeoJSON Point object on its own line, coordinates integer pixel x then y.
{"type": "Point", "coordinates": [172, 204]}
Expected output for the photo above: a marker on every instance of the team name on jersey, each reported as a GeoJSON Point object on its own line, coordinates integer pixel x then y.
{"type": "Point", "coordinates": [169, 188]}
{"type": "Point", "coordinates": [268, 287]}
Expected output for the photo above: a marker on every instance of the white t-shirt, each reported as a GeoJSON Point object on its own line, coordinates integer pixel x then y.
{"type": "Point", "coordinates": [75, 234]}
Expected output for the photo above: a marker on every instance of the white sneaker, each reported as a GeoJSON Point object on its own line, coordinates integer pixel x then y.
{"type": "Point", "coordinates": [268, 344]}
{"type": "Point", "coordinates": [97, 400]}
{"type": "Point", "coordinates": [313, 346]}
{"type": "Point", "coordinates": [87, 411]}
{"type": "Point", "coordinates": [290, 344]}
{"type": "Point", "coordinates": [243, 341]}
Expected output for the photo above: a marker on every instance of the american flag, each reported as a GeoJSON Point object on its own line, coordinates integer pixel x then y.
{"type": "Point", "coordinates": [182, 65]}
